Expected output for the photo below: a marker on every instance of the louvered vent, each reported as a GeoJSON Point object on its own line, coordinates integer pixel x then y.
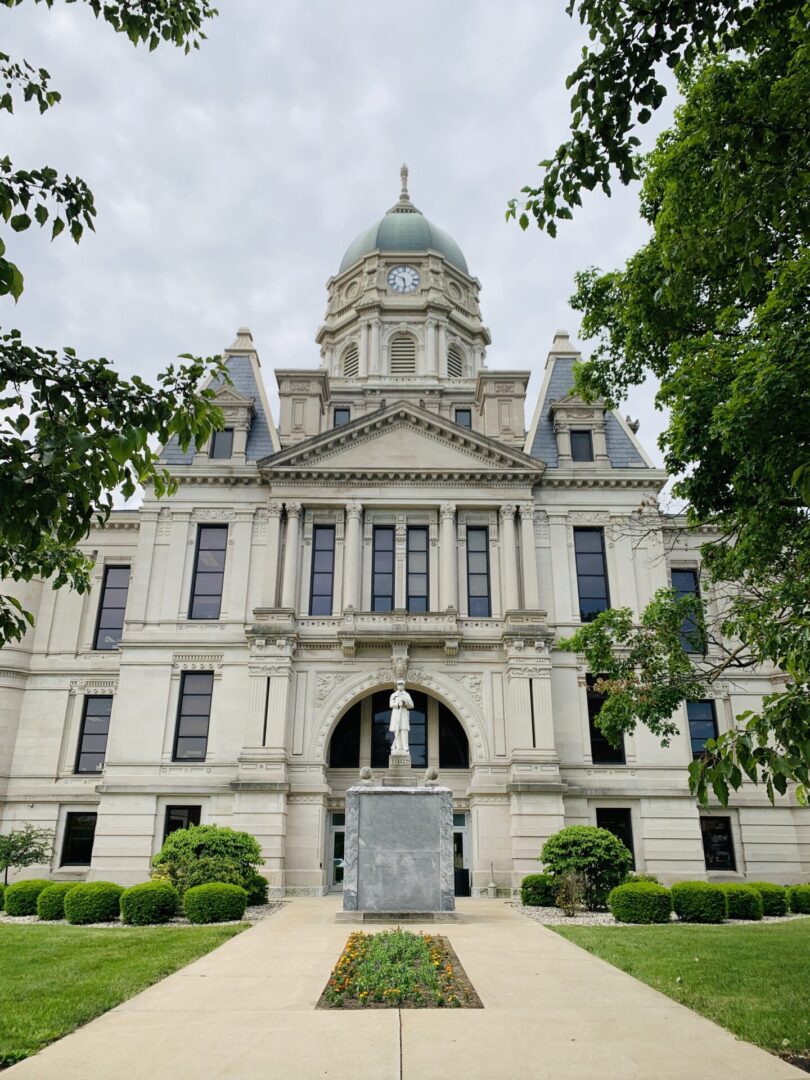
{"type": "Point", "coordinates": [455, 362]}
{"type": "Point", "coordinates": [351, 362]}
{"type": "Point", "coordinates": [403, 355]}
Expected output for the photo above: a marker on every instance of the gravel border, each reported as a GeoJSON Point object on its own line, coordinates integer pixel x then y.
{"type": "Point", "coordinates": [252, 915]}
{"type": "Point", "coordinates": [549, 916]}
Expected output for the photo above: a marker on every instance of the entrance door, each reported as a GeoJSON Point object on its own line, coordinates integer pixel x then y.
{"type": "Point", "coordinates": [461, 869]}
{"type": "Point", "coordinates": [337, 837]}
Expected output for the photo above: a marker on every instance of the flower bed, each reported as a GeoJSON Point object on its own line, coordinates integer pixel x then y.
{"type": "Point", "coordinates": [398, 969]}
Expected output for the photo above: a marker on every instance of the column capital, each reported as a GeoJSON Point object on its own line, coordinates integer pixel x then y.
{"type": "Point", "coordinates": [526, 511]}
{"type": "Point", "coordinates": [507, 511]}
{"type": "Point", "coordinates": [274, 508]}
{"type": "Point", "coordinates": [448, 510]}
{"type": "Point", "coordinates": [354, 510]}
{"type": "Point", "coordinates": [293, 509]}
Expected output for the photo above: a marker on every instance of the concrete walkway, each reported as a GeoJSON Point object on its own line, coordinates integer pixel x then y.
{"type": "Point", "coordinates": [551, 1012]}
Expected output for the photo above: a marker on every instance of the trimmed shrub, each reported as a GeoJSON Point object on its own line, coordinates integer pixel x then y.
{"type": "Point", "coordinates": [537, 890]}
{"type": "Point", "coordinates": [633, 877]}
{"type": "Point", "coordinates": [51, 901]}
{"type": "Point", "coordinates": [202, 854]}
{"type": "Point", "coordinates": [743, 902]}
{"type": "Point", "coordinates": [799, 899]}
{"type": "Point", "coordinates": [641, 902]}
{"type": "Point", "coordinates": [599, 856]}
{"type": "Point", "coordinates": [569, 892]}
{"type": "Point", "coordinates": [93, 901]}
{"type": "Point", "coordinates": [150, 902]}
{"type": "Point", "coordinates": [21, 897]}
{"type": "Point", "coordinates": [256, 888]}
{"type": "Point", "coordinates": [209, 869]}
{"type": "Point", "coordinates": [774, 897]}
{"type": "Point", "coordinates": [214, 903]}
{"type": "Point", "coordinates": [699, 901]}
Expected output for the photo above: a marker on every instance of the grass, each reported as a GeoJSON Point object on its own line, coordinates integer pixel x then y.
{"type": "Point", "coordinates": [752, 980]}
{"type": "Point", "coordinates": [53, 979]}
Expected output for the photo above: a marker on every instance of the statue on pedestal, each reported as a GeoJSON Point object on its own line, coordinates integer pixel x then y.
{"type": "Point", "coordinates": [400, 705]}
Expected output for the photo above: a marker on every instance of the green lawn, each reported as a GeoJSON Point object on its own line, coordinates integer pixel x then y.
{"type": "Point", "coordinates": [751, 979]}
{"type": "Point", "coordinates": [53, 979]}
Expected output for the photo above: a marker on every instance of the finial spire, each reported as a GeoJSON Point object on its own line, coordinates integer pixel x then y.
{"type": "Point", "coordinates": [403, 195]}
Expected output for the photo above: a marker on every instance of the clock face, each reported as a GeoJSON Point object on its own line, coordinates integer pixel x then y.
{"type": "Point", "coordinates": [403, 279]}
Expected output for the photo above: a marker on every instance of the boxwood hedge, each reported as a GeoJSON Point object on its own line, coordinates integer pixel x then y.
{"type": "Point", "coordinates": [537, 890]}
{"type": "Point", "coordinates": [51, 901]}
{"type": "Point", "coordinates": [799, 899]}
{"type": "Point", "coordinates": [743, 902]}
{"type": "Point", "coordinates": [21, 897]}
{"type": "Point", "coordinates": [774, 897]}
{"type": "Point", "coordinates": [699, 902]}
{"type": "Point", "coordinates": [93, 901]}
{"type": "Point", "coordinates": [641, 902]}
{"type": "Point", "coordinates": [150, 902]}
{"type": "Point", "coordinates": [214, 903]}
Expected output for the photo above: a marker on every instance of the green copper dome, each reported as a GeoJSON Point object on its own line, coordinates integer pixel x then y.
{"type": "Point", "coordinates": [404, 228]}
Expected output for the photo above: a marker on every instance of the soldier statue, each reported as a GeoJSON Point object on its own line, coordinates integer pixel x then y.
{"type": "Point", "coordinates": [400, 705]}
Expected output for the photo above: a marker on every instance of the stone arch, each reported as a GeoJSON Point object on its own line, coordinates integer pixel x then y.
{"type": "Point", "coordinates": [460, 692]}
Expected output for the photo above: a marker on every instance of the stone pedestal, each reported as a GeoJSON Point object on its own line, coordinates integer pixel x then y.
{"type": "Point", "coordinates": [398, 854]}
{"type": "Point", "coordinates": [399, 772]}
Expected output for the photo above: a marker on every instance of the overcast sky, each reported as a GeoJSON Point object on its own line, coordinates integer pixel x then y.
{"type": "Point", "coordinates": [230, 182]}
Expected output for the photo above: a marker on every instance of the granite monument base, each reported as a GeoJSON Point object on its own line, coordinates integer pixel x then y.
{"type": "Point", "coordinates": [398, 855]}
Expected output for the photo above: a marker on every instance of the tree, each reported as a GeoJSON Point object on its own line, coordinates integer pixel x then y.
{"type": "Point", "coordinates": [72, 431]}
{"type": "Point", "coordinates": [24, 847]}
{"type": "Point", "coordinates": [715, 306]}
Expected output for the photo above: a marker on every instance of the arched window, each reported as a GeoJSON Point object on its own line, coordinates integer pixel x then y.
{"type": "Point", "coordinates": [403, 355]}
{"type": "Point", "coordinates": [454, 749]}
{"type": "Point", "coordinates": [455, 362]}
{"type": "Point", "coordinates": [381, 737]}
{"type": "Point", "coordinates": [351, 362]}
{"type": "Point", "coordinates": [344, 746]}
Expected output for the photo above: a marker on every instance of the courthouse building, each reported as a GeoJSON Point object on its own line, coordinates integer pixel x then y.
{"type": "Point", "coordinates": [234, 658]}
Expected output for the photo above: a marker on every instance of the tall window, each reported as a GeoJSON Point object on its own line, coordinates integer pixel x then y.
{"type": "Point", "coordinates": [351, 362]}
{"type": "Point", "coordinates": [478, 571]}
{"type": "Point", "coordinates": [382, 573]}
{"type": "Point", "coordinates": [342, 415]}
{"type": "Point", "coordinates": [180, 817]}
{"type": "Point", "coordinates": [381, 737]}
{"type": "Point", "coordinates": [403, 355]}
{"type": "Point", "coordinates": [110, 623]}
{"type": "Point", "coordinates": [80, 832]}
{"type": "Point", "coordinates": [193, 716]}
{"type": "Point", "coordinates": [589, 550]}
{"type": "Point", "coordinates": [222, 444]}
{"type": "Point", "coordinates": [209, 569]}
{"type": "Point", "coordinates": [581, 446]}
{"type": "Point", "coordinates": [464, 418]}
{"type": "Point", "coordinates": [418, 568]}
{"type": "Point", "coordinates": [616, 819]}
{"type": "Point", "coordinates": [718, 844]}
{"type": "Point", "coordinates": [93, 736]}
{"type": "Point", "coordinates": [702, 725]}
{"type": "Point", "coordinates": [685, 583]}
{"type": "Point", "coordinates": [344, 746]}
{"type": "Point", "coordinates": [454, 749]}
{"type": "Point", "coordinates": [323, 570]}
{"type": "Point", "coordinates": [602, 751]}
{"type": "Point", "coordinates": [455, 362]}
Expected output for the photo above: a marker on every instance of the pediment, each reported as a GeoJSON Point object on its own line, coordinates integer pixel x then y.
{"type": "Point", "coordinates": [227, 395]}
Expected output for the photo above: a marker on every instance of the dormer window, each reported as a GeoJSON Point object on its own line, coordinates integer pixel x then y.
{"type": "Point", "coordinates": [222, 444]}
{"type": "Point", "coordinates": [581, 446]}
{"type": "Point", "coordinates": [464, 418]}
{"type": "Point", "coordinates": [342, 415]}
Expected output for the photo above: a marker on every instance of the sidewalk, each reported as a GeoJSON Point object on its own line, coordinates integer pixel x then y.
{"type": "Point", "coordinates": [551, 1012]}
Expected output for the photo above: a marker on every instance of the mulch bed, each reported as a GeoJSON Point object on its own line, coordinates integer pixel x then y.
{"type": "Point", "coordinates": [345, 987]}
{"type": "Point", "coordinates": [800, 1061]}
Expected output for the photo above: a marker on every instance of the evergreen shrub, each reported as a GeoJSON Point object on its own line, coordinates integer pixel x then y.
{"type": "Point", "coordinates": [51, 901]}
{"type": "Point", "coordinates": [149, 902]}
{"type": "Point", "coordinates": [799, 899]}
{"type": "Point", "coordinates": [599, 856]}
{"type": "Point", "coordinates": [202, 854]}
{"type": "Point", "coordinates": [743, 902]}
{"type": "Point", "coordinates": [641, 902]}
{"type": "Point", "coordinates": [774, 897]}
{"type": "Point", "coordinates": [21, 897]}
{"type": "Point", "coordinates": [214, 903]}
{"type": "Point", "coordinates": [92, 902]}
{"type": "Point", "coordinates": [537, 890]}
{"type": "Point", "coordinates": [256, 887]}
{"type": "Point", "coordinates": [633, 877]}
{"type": "Point", "coordinates": [2, 895]}
{"type": "Point", "coordinates": [699, 902]}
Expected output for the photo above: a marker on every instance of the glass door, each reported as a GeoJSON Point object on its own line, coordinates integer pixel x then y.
{"type": "Point", "coordinates": [461, 869]}
{"type": "Point", "coordinates": [337, 837]}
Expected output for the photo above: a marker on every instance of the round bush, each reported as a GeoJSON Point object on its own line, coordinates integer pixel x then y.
{"type": "Point", "coordinates": [93, 901]}
{"type": "Point", "coordinates": [214, 903]}
{"type": "Point", "coordinates": [207, 853]}
{"type": "Point", "coordinates": [51, 901]}
{"type": "Point", "coordinates": [799, 899]}
{"type": "Point", "coordinates": [774, 897]}
{"type": "Point", "coordinates": [537, 890]}
{"type": "Point", "coordinates": [21, 897]}
{"type": "Point", "coordinates": [256, 887]}
{"type": "Point", "coordinates": [641, 902]}
{"type": "Point", "coordinates": [599, 856]}
{"type": "Point", "coordinates": [699, 901]}
{"type": "Point", "coordinates": [150, 902]}
{"type": "Point", "coordinates": [743, 902]}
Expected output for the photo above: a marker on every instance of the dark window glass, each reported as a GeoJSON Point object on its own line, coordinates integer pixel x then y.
{"type": "Point", "coordinates": [581, 446]}
{"type": "Point", "coordinates": [382, 572]}
{"type": "Point", "coordinates": [464, 417]}
{"type": "Point", "coordinates": [111, 609]}
{"type": "Point", "coordinates": [589, 551]}
{"type": "Point", "coordinates": [418, 593]}
{"type": "Point", "coordinates": [209, 569]}
{"type": "Point", "coordinates": [342, 416]}
{"type": "Point", "coordinates": [180, 817]}
{"type": "Point", "coordinates": [344, 747]}
{"type": "Point", "coordinates": [80, 831]}
{"type": "Point", "coordinates": [478, 571]}
{"type": "Point", "coordinates": [93, 736]}
{"type": "Point", "coordinates": [454, 750]}
{"type": "Point", "coordinates": [323, 570]}
{"type": "Point", "coordinates": [718, 845]}
{"type": "Point", "coordinates": [617, 820]}
{"type": "Point", "coordinates": [381, 737]}
{"type": "Point", "coordinates": [685, 583]}
{"type": "Point", "coordinates": [602, 752]}
{"type": "Point", "coordinates": [193, 716]}
{"type": "Point", "coordinates": [702, 724]}
{"type": "Point", "coordinates": [222, 444]}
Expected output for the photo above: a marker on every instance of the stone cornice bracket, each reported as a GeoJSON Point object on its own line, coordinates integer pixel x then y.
{"type": "Point", "coordinates": [448, 510]}
{"type": "Point", "coordinates": [399, 659]}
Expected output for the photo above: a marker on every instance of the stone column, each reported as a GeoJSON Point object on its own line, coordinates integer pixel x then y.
{"type": "Point", "coordinates": [289, 584]}
{"type": "Point", "coordinates": [431, 359]}
{"type": "Point", "coordinates": [364, 366]}
{"type": "Point", "coordinates": [509, 558]}
{"type": "Point", "coordinates": [181, 545]}
{"type": "Point", "coordinates": [271, 554]}
{"type": "Point", "coordinates": [531, 592]}
{"type": "Point", "coordinates": [449, 554]}
{"type": "Point", "coordinates": [351, 556]}
{"type": "Point", "coordinates": [241, 430]}
{"type": "Point", "coordinates": [375, 365]}
{"type": "Point", "coordinates": [443, 348]}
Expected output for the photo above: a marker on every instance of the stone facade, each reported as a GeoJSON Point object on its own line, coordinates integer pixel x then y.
{"type": "Point", "coordinates": [402, 437]}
